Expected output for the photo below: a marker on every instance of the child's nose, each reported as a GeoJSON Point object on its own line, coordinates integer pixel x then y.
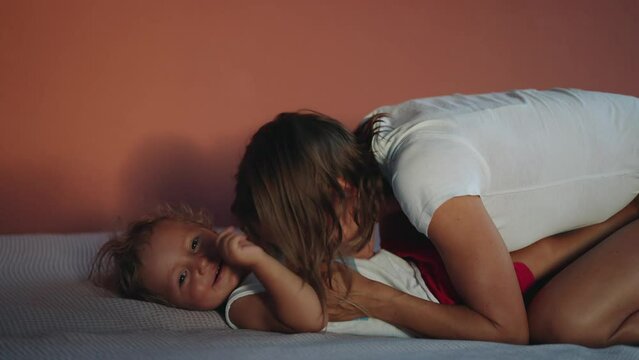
{"type": "Point", "coordinates": [202, 265]}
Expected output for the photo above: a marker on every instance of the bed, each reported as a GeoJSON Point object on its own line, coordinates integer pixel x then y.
{"type": "Point", "coordinates": [49, 310]}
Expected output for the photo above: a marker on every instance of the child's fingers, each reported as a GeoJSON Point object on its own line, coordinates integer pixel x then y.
{"type": "Point", "coordinates": [227, 231]}
{"type": "Point", "coordinates": [242, 241]}
{"type": "Point", "coordinates": [231, 243]}
{"type": "Point", "coordinates": [232, 231]}
{"type": "Point", "coordinates": [227, 234]}
{"type": "Point", "coordinates": [222, 242]}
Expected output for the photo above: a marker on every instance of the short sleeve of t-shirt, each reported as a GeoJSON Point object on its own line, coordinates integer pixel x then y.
{"type": "Point", "coordinates": [429, 169]}
{"type": "Point", "coordinates": [429, 166]}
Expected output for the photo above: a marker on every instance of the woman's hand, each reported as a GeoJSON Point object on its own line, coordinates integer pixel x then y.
{"type": "Point", "coordinates": [364, 294]}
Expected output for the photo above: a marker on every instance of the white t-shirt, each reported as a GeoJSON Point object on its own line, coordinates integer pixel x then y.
{"type": "Point", "coordinates": [383, 267]}
{"type": "Point", "coordinates": [543, 162]}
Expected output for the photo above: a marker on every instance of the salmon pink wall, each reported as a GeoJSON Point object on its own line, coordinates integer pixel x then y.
{"type": "Point", "coordinates": [109, 107]}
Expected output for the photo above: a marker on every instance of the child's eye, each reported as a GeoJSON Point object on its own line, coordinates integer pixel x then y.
{"type": "Point", "coordinates": [181, 278]}
{"type": "Point", "coordinates": [195, 243]}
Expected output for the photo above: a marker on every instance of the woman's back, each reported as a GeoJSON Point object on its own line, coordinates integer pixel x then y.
{"type": "Point", "coordinates": [543, 162]}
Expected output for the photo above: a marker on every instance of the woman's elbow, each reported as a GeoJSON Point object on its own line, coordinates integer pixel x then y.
{"type": "Point", "coordinates": [314, 329]}
{"type": "Point", "coordinates": [309, 325]}
{"type": "Point", "coordinates": [516, 333]}
{"type": "Point", "coordinates": [510, 324]}
{"type": "Point", "coordinates": [516, 337]}
{"type": "Point", "coordinates": [506, 328]}
{"type": "Point", "coordinates": [316, 326]}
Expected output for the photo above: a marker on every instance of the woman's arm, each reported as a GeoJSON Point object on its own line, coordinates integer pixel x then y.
{"type": "Point", "coordinates": [288, 305]}
{"type": "Point", "coordinates": [480, 268]}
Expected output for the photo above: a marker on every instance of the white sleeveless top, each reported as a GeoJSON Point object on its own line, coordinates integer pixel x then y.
{"type": "Point", "coordinates": [383, 267]}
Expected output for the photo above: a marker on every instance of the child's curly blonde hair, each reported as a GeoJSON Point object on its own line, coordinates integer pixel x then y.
{"type": "Point", "coordinates": [117, 263]}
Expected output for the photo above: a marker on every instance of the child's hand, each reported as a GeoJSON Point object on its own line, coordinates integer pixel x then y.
{"type": "Point", "coordinates": [237, 250]}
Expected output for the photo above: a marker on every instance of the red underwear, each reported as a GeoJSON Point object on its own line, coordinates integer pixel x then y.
{"type": "Point", "coordinates": [401, 238]}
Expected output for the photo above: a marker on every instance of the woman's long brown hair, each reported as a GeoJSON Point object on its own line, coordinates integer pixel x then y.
{"type": "Point", "coordinates": [288, 194]}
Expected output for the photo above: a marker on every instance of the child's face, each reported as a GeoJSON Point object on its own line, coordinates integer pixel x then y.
{"type": "Point", "coordinates": [181, 264]}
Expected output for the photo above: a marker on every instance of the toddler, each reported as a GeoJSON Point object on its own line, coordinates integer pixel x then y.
{"type": "Point", "coordinates": [175, 258]}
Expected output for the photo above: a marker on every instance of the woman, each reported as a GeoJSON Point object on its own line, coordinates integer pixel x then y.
{"type": "Point", "coordinates": [481, 176]}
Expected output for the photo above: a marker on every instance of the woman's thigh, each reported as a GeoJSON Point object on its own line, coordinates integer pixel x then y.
{"type": "Point", "coordinates": [595, 300]}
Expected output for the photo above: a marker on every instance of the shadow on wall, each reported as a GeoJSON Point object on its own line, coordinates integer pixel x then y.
{"type": "Point", "coordinates": [42, 196]}
{"type": "Point", "coordinates": [175, 170]}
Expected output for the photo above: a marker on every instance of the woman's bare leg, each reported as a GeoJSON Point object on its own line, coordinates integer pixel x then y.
{"type": "Point", "coordinates": [595, 300]}
{"type": "Point", "coordinates": [547, 256]}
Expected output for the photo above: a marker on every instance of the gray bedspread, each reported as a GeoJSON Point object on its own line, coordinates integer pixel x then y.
{"type": "Point", "coordinates": [49, 310]}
